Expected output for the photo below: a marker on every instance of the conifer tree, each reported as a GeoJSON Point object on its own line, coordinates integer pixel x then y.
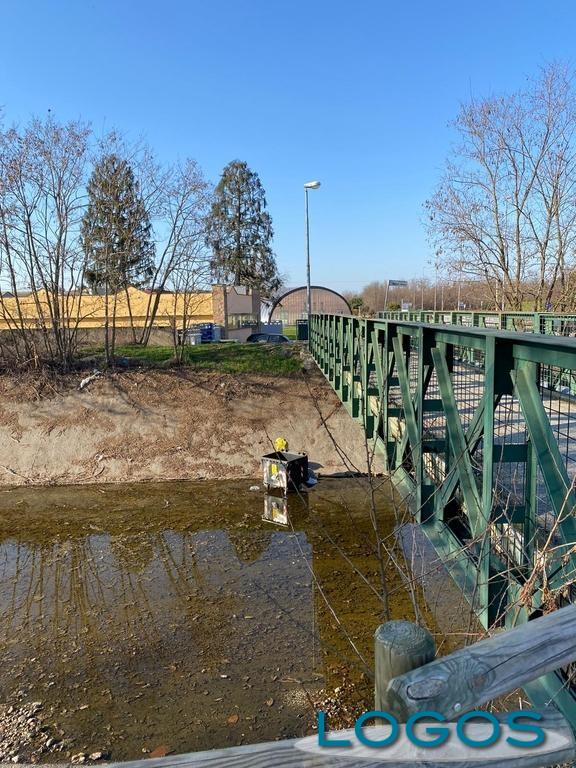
{"type": "Point", "coordinates": [116, 229]}
{"type": "Point", "coordinates": [239, 231]}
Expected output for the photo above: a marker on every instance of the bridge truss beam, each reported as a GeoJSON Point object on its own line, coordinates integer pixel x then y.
{"type": "Point", "coordinates": [477, 429]}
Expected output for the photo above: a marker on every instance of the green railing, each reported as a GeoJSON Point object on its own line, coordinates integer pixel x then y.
{"type": "Point", "coordinates": [548, 323]}
{"type": "Point", "coordinates": [483, 448]}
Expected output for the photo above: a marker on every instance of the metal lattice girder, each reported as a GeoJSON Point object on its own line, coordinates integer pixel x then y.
{"type": "Point", "coordinates": [473, 436]}
{"type": "Point", "coordinates": [410, 416]}
{"type": "Point", "coordinates": [559, 486]}
{"type": "Point", "coordinates": [364, 365]}
{"type": "Point", "coordinates": [553, 469]}
{"type": "Point", "coordinates": [458, 445]}
{"type": "Point", "coordinates": [479, 419]}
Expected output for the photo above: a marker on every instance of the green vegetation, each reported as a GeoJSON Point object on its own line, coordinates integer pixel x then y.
{"type": "Point", "coordinates": [278, 360]}
{"type": "Point", "coordinates": [290, 331]}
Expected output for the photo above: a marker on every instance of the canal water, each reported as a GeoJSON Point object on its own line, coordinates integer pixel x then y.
{"type": "Point", "coordinates": [190, 616]}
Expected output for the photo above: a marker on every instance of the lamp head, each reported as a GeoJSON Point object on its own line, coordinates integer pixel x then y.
{"type": "Point", "coordinates": [312, 185]}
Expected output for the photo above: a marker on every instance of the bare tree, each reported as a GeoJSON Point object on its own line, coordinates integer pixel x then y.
{"type": "Point", "coordinates": [374, 296]}
{"type": "Point", "coordinates": [505, 209]}
{"type": "Point", "coordinates": [179, 201]}
{"type": "Point", "coordinates": [188, 278]}
{"type": "Point", "coordinates": [42, 175]}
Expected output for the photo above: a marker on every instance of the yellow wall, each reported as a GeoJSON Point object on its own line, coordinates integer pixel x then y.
{"type": "Point", "coordinates": [88, 311]}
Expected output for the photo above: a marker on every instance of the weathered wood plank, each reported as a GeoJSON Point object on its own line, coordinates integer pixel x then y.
{"type": "Point", "coordinates": [286, 754]}
{"type": "Point", "coordinates": [481, 672]}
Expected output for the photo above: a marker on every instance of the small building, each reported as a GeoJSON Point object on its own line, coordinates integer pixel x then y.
{"type": "Point", "coordinates": [237, 309]}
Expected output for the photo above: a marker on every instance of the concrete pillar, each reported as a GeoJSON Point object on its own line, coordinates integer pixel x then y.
{"type": "Point", "coordinates": [220, 307]}
{"type": "Point", "coordinates": [256, 305]}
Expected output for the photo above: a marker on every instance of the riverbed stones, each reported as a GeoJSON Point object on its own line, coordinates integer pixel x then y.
{"type": "Point", "coordinates": [24, 736]}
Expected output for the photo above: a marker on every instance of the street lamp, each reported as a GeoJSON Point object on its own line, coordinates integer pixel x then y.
{"type": "Point", "coordinates": [307, 186]}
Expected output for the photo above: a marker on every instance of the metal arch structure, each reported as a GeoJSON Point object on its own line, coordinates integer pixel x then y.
{"type": "Point", "coordinates": [278, 301]}
{"type": "Point", "coordinates": [477, 429]}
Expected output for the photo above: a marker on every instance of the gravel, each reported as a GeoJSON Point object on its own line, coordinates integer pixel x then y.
{"type": "Point", "coordinates": [26, 737]}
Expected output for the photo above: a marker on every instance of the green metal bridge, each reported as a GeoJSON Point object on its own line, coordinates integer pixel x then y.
{"type": "Point", "coordinates": [477, 428]}
{"type": "Point", "coordinates": [536, 322]}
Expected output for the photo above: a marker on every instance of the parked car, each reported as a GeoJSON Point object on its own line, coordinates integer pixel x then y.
{"type": "Point", "coordinates": [267, 338]}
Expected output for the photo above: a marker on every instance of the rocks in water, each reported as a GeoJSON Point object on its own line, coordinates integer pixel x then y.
{"type": "Point", "coordinates": [82, 757]}
{"type": "Point", "coordinates": [23, 735]}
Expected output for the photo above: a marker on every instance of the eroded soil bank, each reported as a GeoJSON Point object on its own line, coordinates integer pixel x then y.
{"type": "Point", "coordinates": [168, 425]}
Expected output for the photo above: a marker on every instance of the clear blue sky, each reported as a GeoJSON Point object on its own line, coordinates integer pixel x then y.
{"type": "Point", "coordinates": [357, 94]}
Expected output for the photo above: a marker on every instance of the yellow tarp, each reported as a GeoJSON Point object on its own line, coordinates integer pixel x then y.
{"type": "Point", "coordinates": [89, 311]}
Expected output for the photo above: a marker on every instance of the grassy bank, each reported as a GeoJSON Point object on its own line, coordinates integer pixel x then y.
{"type": "Point", "coordinates": [279, 360]}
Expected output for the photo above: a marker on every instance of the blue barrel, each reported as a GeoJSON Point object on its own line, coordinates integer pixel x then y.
{"type": "Point", "coordinates": [207, 331]}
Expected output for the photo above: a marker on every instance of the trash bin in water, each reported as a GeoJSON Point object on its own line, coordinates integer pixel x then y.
{"type": "Point", "coordinates": [284, 470]}
{"type": "Point", "coordinates": [302, 330]}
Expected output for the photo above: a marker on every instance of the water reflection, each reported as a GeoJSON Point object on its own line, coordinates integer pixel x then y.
{"type": "Point", "coordinates": [145, 620]}
{"type": "Point", "coordinates": [275, 510]}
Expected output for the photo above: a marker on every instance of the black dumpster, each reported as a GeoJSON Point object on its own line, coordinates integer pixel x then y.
{"type": "Point", "coordinates": [284, 470]}
{"type": "Point", "coordinates": [302, 330]}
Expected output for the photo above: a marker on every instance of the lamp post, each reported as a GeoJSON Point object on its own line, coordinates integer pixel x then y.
{"type": "Point", "coordinates": [307, 186]}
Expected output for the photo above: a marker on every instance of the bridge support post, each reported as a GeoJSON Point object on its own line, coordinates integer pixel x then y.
{"type": "Point", "coordinates": [367, 369]}
{"type": "Point", "coordinates": [338, 344]}
{"type": "Point", "coordinates": [488, 610]}
{"type": "Point", "coordinates": [355, 364]}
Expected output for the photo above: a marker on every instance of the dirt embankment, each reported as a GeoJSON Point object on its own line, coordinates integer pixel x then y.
{"type": "Point", "coordinates": [167, 424]}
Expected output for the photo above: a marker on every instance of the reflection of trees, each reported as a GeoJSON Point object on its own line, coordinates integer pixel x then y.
{"type": "Point", "coordinates": [94, 590]}
{"type": "Point", "coordinates": [94, 595]}
{"type": "Point", "coordinates": [150, 600]}
{"type": "Point", "coordinates": [135, 551]}
{"type": "Point", "coordinates": [249, 545]}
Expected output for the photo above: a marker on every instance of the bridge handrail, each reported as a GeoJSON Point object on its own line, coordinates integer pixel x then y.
{"type": "Point", "coordinates": [548, 323]}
